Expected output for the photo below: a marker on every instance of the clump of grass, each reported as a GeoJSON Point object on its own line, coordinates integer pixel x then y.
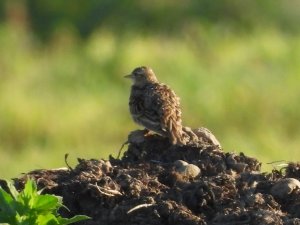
{"type": "Point", "coordinates": [31, 207]}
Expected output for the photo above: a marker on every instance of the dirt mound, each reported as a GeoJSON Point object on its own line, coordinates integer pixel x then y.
{"type": "Point", "coordinates": [157, 183]}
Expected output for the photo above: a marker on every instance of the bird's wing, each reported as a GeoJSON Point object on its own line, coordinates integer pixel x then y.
{"type": "Point", "coordinates": [151, 107]}
{"type": "Point", "coordinates": [143, 108]}
{"type": "Point", "coordinates": [167, 106]}
{"type": "Point", "coordinates": [170, 113]}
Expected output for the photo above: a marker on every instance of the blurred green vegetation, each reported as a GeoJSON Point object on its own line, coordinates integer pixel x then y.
{"type": "Point", "coordinates": [62, 90]}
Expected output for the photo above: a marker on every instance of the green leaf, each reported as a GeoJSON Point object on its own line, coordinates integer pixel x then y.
{"type": "Point", "coordinates": [6, 203]}
{"type": "Point", "coordinates": [29, 207]}
{"type": "Point", "coordinates": [12, 189]}
{"type": "Point", "coordinates": [45, 203]}
{"type": "Point", "coordinates": [25, 220]}
{"type": "Point", "coordinates": [48, 219]}
{"type": "Point", "coordinates": [27, 195]}
{"type": "Point", "coordinates": [30, 190]}
{"type": "Point", "coordinates": [64, 221]}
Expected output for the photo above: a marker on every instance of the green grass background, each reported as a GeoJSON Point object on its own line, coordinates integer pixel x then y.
{"type": "Point", "coordinates": [70, 96]}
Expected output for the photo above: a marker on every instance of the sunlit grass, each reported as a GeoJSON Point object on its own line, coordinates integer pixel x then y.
{"type": "Point", "coordinates": [70, 97]}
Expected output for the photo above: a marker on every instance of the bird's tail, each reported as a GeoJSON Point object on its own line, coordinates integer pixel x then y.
{"type": "Point", "coordinates": [175, 129]}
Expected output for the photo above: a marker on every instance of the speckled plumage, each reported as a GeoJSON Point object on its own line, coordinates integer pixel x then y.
{"type": "Point", "coordinates": [155, 106]}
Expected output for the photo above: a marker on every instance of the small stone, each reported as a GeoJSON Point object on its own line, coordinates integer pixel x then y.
{"type": "Point", "coordinates": [284, 187]}
{"type": "Point", "coordinates": [180, 163]}
{"type": "Point", "coordinates": [136, 137]}
{"type": "Point", "coordinates": [192, 170]}
{"type": "Point", "coordinates": [207, 136]}
{"type": "Point", "coordinates": [186, 169]}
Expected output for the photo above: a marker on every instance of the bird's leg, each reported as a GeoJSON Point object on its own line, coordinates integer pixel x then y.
{"type": "Point", "coordinates": [148, 133]}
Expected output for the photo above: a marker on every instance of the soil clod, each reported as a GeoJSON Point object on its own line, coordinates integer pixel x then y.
{"type": "Point", "coordinates": [159, 183]}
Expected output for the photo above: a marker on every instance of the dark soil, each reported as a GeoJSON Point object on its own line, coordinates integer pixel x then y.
{"type": "Point", "coordinates": [149, 186]}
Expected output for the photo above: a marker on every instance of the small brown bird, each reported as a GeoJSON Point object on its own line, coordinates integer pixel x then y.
{"type": "Point", "coordinates": [155, 106]}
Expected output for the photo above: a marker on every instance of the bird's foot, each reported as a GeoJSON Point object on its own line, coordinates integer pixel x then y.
{"type": "Point", "coordinates": [148, 133]}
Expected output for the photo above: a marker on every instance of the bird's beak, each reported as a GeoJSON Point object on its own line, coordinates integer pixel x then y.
{"type": "Point", "coordinates": [128, 76]}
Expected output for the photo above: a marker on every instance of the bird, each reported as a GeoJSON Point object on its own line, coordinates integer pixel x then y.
{"type": "Point", "coordinates": [155, 105]}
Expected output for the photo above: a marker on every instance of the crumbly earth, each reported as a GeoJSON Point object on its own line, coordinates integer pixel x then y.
{"type": "Point", "coordinates": [146, 186]}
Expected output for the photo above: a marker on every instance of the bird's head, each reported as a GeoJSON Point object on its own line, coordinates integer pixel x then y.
{"type": "Point", "coordinates": [142, 76]}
